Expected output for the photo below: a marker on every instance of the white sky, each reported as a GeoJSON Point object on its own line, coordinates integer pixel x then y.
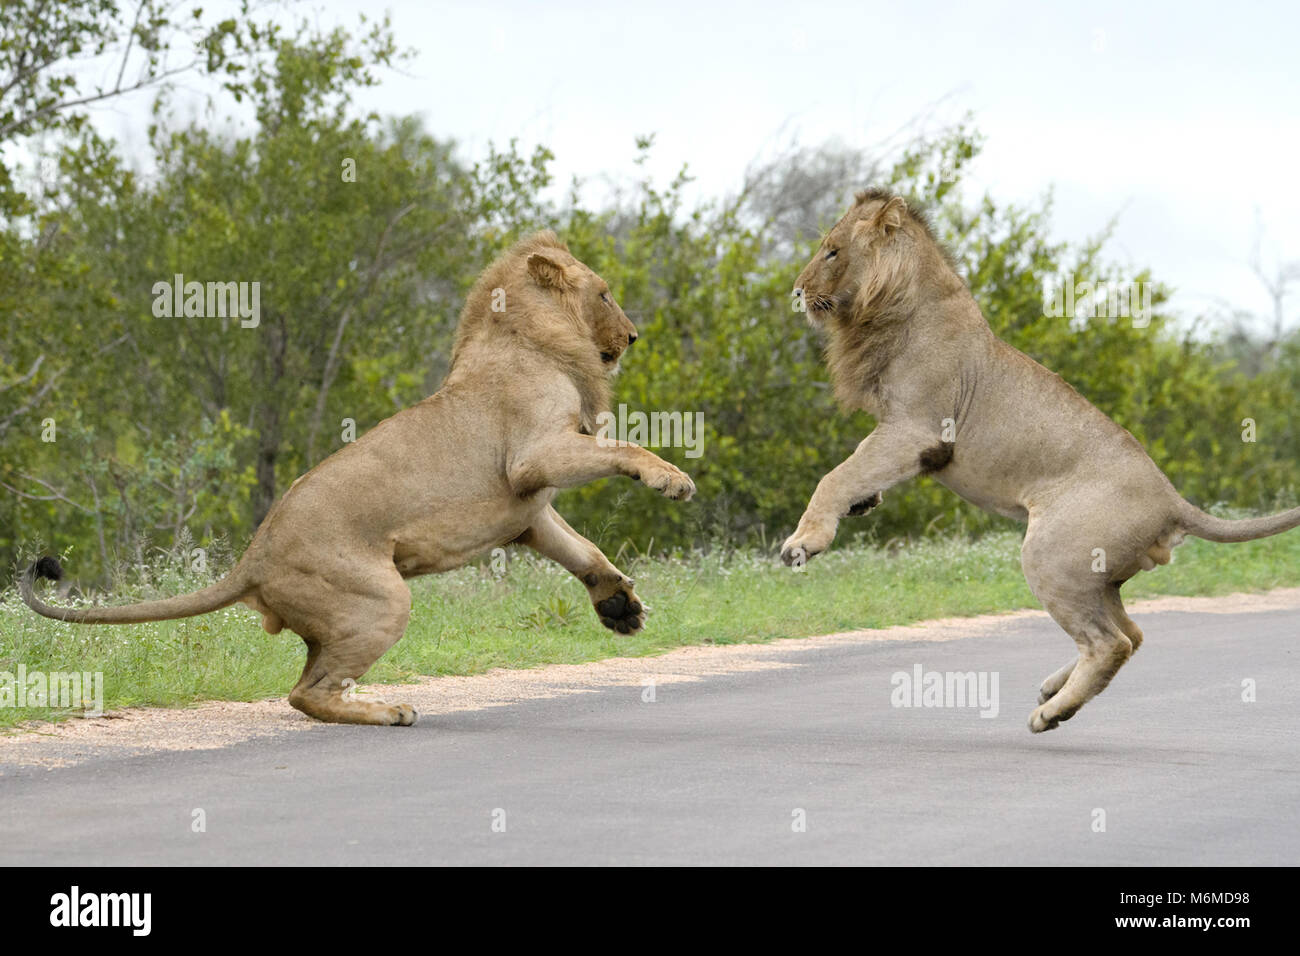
{"type": "Point", "coordinates": [1182, 118]}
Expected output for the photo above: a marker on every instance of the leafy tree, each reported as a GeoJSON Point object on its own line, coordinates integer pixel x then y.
{"type": "Point", "coordinates": [362, 235]}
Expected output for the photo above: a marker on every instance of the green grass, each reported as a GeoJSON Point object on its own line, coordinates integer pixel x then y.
{"type": "Point", "coordinates": [470, 620]}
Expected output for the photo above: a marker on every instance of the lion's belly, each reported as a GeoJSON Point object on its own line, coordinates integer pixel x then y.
{"type": "Point", "coordinates": [452, 538]}
{"type": "Point", "coordinates": [984, 488]}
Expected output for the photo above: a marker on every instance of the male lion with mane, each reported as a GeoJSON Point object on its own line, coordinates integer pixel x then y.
{"type": "Point", "coordinates": [907, 343]}
{"type": "Point", "coordinates": [470, 468]}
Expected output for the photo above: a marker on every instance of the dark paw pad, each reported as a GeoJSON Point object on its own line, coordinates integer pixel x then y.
{"type": "Point", "coordinates": [621, 613]}
{"type": "Point", "coordinates": [613, 606]}
{"type": "Point", "coordinates": [865, 505]}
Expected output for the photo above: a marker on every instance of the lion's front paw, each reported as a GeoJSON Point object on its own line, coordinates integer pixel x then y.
{"type": "Point", "coordinates": [670, 481]}
{"type": "Point", "coordinates": [621, 612]}
{"type": "Point", "coordinates": [809, 540]}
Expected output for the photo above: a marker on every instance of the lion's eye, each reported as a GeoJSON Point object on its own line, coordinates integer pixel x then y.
{"type": "Point", "coordinates": [604, 297]}
{"type": "Point", "coordinates": [831, 255]}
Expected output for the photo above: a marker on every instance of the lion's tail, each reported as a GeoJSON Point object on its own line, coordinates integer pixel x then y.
{"type": "Point", "coordinates": [1195, 521]}
{"type": "Point", "coordinates": [222, 594]}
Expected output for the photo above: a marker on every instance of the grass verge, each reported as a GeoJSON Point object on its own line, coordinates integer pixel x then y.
{"type": "Point", "coordinates": [471, 620]}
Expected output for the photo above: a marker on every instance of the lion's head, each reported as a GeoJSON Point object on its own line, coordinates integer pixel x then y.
{"type": "Point", "coordinates": [862, 257]}
{"type": "Point", "coordinates": [540, 292]}
{"type": "Point", "coordinates": [538, 296]}
{"type": "Point", "coordinates": [585, 296]}
{"type": "Point", "coordinates": [867, 279]}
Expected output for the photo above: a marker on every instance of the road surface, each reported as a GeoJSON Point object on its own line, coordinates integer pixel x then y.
{"type": "Point", "coordinates": [805, 760]}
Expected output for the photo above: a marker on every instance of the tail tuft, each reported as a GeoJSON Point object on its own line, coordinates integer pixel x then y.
{"type": "Point", "coordinates": [47, 567]}
{"type": "Point", "coordinates": [225, 592]}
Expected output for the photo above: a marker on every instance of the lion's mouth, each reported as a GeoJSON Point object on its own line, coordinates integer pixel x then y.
{"type": "Point", "coordinates": [608, 357]}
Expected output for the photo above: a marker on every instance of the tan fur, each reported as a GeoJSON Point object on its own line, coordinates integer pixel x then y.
{"type": "Point", "coordinates": [907, 343]}
{"type": "Point", "coordinates": [473, 467]}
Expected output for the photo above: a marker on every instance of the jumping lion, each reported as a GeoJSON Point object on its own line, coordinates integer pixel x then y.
{"type": "Point", "coordinates": [472, 467]}
{"type": "Point", "coordinates": [907, 343]}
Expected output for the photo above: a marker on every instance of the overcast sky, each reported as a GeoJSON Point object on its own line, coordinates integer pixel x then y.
{"type": "Point", "coordinates": [1180, 118]}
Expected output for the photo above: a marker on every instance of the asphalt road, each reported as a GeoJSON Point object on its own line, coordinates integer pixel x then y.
{"type": "Point", "coordinates": [716, 771]}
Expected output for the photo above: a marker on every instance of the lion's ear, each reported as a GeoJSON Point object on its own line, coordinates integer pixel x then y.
{"type": "Point", "coordinates": [887, 220]}
{"type": "Point", "coordinates": [547, 273]}
{"type": "Point", "coordinates": [891, 215]}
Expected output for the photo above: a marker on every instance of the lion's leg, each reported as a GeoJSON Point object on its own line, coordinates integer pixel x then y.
{"type": "Point", "coordinates": [346, 630]}
{"type": "Point", "coordinates": [1119, 617]}
{"type": "Point", "coordinates": [610, 590]}
{"type": "Point", "coordinates": [1103, 649]}
{"type": "Point", "coordinates": [1078, 600]}
{"type": "Point", "coordinates": [1115, 607]}
{"type": "Point", "coordinates": [888, 455]}
{"type": "Point", "coordinates": [1055, 682]}
{"type": "Point", "coordinates": [568, 460]}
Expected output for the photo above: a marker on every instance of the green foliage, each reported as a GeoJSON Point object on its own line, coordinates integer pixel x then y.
{"type": "Point", "coordinates": [45, 49]}
{"type": "Point", "coordinates": [721, 339]}
{"type": "Point", "coordinates": [555, 611]}
{"type": "Point", "coordinates": [363, 234]}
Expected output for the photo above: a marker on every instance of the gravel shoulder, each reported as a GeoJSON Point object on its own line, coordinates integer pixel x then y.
{"type": "Point", "coordinates": [217, 724]}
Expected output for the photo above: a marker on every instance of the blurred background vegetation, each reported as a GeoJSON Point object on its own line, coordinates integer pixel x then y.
{"type": "Point", "coordinates": [172, 432]}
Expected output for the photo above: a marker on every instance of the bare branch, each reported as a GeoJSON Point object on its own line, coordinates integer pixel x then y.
{"type": "Point", "coordinates": [55, 495]}
{"type": "Point", "coordinates": [31, 373]}
{"type": "Point", "coordinates": [151, 80]}
{"type": "Point", "coordinates": [130, 39]}
{"type": "Point", "coordinates": [378, 264]}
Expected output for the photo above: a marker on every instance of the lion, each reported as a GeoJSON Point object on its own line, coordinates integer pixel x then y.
{"type": "Point", "coordinates": [907, 343]}
{"type": "Point", "coordinates": [473, 467]}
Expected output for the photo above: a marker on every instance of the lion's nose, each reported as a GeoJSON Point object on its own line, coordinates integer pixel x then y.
{"type": "Point", "coordinates": [798, 293]}
{"type": "Point", "coordinates": [631, 337]}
